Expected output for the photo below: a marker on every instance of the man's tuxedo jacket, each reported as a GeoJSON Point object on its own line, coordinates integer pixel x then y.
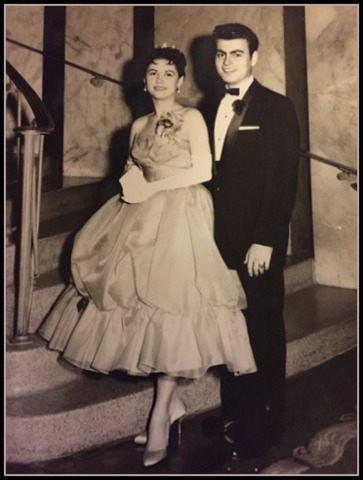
{"type": "Point", "coordinates": [255, 182]}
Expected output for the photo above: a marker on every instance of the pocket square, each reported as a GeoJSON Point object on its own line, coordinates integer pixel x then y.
{"type": "Point", "coordinates": [249, 127]}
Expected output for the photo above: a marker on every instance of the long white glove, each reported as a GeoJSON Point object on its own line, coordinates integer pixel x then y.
{"type": "Point", "coordinates": [136, 189]}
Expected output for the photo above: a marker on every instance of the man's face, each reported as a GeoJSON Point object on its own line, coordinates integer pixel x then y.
{"type": "Point", "coordinates": [233, 60]}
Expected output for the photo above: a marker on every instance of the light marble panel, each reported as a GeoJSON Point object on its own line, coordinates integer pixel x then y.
{"type": "Point", "coordinates": [181, 25]}
{"type": "Point", "coordinates": [335, 228]}
{"type": "Point", "coordinates": [24, 24]}
{"type": "Point", "coordinates": [332, 84]}
{"type": "Point", "coordinates": [99, 38]}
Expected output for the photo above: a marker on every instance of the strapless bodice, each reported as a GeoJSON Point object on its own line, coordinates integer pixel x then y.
{"type": "Point", "coordinates": [162, 148]}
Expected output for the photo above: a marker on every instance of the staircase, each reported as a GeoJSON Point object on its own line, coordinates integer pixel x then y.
{"type": "Point", "coordinates": [54, 409]}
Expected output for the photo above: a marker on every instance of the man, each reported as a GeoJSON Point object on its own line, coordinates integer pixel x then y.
{"type": "Point", "coordinates": [256, 148]}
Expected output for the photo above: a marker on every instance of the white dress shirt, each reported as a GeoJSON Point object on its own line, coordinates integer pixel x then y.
{"type": "Point", "coordinates": [225, 114]}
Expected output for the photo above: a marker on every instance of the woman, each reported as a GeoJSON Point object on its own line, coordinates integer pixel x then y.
{"type": "Point", "coordinates": [151, 293]}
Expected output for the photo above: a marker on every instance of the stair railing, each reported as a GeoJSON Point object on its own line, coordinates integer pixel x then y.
{"type": "Point", "coordinates": [346, 173]}
{"type": "Point", "coordinates": [97, 78]}
{"type": "Point", "coordinates": [32, 140]}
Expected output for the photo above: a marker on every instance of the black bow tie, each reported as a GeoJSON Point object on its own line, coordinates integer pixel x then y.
{"type": "Point", "coordinates": [232, 91]}
{"type": "Point", "coordinates": [237, 106]}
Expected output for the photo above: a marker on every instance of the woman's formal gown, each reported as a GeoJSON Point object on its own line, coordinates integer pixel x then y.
{"type": "Point", "coordinates": [150, 292]}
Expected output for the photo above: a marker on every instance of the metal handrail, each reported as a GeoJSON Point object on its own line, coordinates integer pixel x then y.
{"type": "Point", "coordinates": [345, 171]}
{"type": "Point", "coordinates": [30, 202]}
{"type": "Point", "coordinates": [66, 62]}
{"type": "Point", "coordinates": [44, 121]}
{"type": "Point", "coordinates": [342, 167]}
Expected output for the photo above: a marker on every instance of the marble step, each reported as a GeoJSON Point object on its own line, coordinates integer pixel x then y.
{"type": "Point", "coordinates": [52, 250]}
{"type": "Point", "coordinates": [31, 368]}
{"type": "Point", "coordinates": [50, 285]}
{"type": "Point", "coordinates": [42, 301]}
{"type": "Point", "coordinates": [90, 410]}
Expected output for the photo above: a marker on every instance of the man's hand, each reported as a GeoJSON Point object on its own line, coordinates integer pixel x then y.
{"type": "Point", "coordinates": [258, 259]}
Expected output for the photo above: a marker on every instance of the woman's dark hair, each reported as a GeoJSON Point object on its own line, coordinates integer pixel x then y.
{"type": "Point", "coordinates": [230, 31]}
{"type": "Point", "coordinates": [172, 55]}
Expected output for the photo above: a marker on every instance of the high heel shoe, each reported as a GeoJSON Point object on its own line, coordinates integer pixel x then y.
{"type": "Point", "coordinates": [141, 438]}
{"type": "Point", "coordinates": [153, 457]}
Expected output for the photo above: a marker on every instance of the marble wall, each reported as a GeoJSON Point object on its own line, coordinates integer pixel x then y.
{"type": "Point", "coordinates": [101, 39]}
{"type": "Point", "coordinates": [332, 82]}
{"type": "Point", "coordinates": [24, 24]}
{"type": "Point", "coordinates": [98, 38]}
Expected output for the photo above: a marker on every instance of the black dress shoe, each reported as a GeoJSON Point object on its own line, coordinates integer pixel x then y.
{"type": "Point", "coordinates": [252, 440]}
{"type": "Point", "coordinates": [217, 423]}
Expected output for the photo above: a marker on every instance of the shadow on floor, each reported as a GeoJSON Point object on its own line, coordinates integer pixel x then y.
{"type": "Point", "coordinates": [316, 401]}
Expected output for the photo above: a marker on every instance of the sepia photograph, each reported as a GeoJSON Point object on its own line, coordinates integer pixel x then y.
{"type": "Point", "coordinates": [181, 240]}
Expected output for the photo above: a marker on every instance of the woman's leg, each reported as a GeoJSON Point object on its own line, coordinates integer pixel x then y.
{"type": "Point", "coordinates": [158, 434]}
{"type": "Point", "coordinates": [177, 411]}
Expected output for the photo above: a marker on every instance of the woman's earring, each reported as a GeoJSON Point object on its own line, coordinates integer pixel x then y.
{"type": "Point", "coordinates": [145, 89]}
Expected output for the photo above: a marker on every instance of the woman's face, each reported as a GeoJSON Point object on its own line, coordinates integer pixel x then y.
{"type": "Point", "coordinates": [162, 79]}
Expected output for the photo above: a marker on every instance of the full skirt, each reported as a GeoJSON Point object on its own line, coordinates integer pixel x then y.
{"type": "Point", "coordinates": [151, 292]}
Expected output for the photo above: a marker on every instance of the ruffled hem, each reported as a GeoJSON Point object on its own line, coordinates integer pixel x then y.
{"type": "Point", "coordinates": [145, 339]}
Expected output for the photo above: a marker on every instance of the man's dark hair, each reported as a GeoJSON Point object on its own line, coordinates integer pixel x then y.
{"type": "Point", "coordinates": [172, 55]}
{"type": "Point", "coordinates": [230, 31]}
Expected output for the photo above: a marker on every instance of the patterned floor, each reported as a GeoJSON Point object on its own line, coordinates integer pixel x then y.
{"type": "Point", "coordinates": [331, 450]}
